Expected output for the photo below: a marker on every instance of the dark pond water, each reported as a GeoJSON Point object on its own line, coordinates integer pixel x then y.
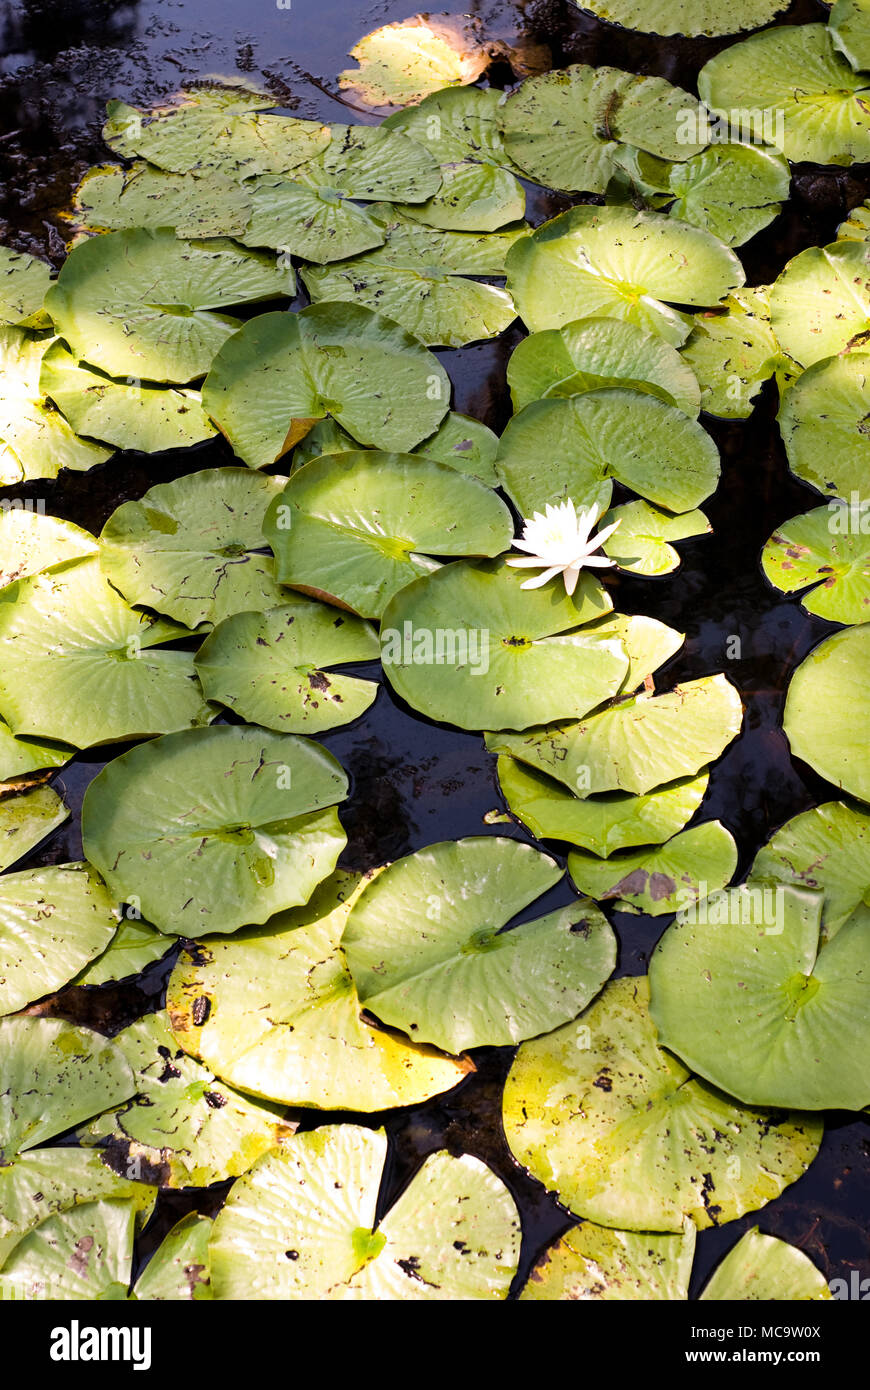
{"type": "Point", "coordinates": [415, 782]}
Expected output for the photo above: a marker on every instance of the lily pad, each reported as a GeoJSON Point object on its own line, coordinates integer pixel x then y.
{"type": "Point", "coordinates": [274, 668]}
{"type": "Point", "coordinates": [275, 1012]}
{"type": "Point", "coordinates": [111, 199]}
{"type": "Point", "coordinates": [732, 190]}
{"type": "Point", "coordinates": [687, 869]}
{"type": "Point", "coordinates": [405, 62]}
{"type": "Point", "coordinates": [34, 541]}
{"type": "Point", "coordinates": [857, 225]}
{"type": "Point", "coordinates": [24, 281]}
{"type": "Point", "coordinates": [53, 921]}
{"type": "Point", "coordinates": [849, 24]}
{"type": "Point", "coordinates": [465, 444]}
{"type": "Point", "coordinates": [318, 224]}
{"type": "Point", "coordinates": [825, 709]}
{"type": "Point", "coordinates": [81, 1254]}
{"type": "Point", "coordinates": [371, 162]}
{"type": "Point", "coordinates": [355, 528]}
{"type": "Point", "coordinates": [194, 548]}
{"type": "Point", "coordinates": [639, 743]}
{"type": "Point", "coordinates": [55, 1075]}
{"type": "Point", "coordinates": [212, 829]}
{"type": "Point", "coordinates": [412, 245]}
{"type": "Point", "coordinates": [600, 824]}
{"type": "Point", "coordinates": [614, 262]}
{"type": "Point", "coordinates": [820, 303]}
{"type": "Point", "coordinates": [561, 448]}
{"type": "Point", "coordinates": [456, 125]}
{"type": "Point", "coordinates": [828, 849]}
{"type": "Point", "coordinates": [134, 946]}
{"type": "Point", "coordinates": [732, 352]}
{"type": "Point", "coordinates": [468, 646]}
{"type": "Point", "coordinates": [473, 198]}
{"type": "Point", "coordinates": [25, 821]}
{"type": "Point", "coordinates": [283, 372]}
{"type": "Point", "coordinates": [822, 422]}
{"type": "Point", "coordinates": [595, 1262]}
{"type": "Point", "coordinates": [743, 992]}
{"type": "Point", "coordinates": [805, 98]}
{"type": "Point", "coordinates": [35, 440]}
{"type": "Point", "coordinates": [145, 303]}
{"type": "Point", "coordinates": [593, 353]}
{"type": "Point", "coordinates": [694, 18]}
{"type": "Point", "coordinates": [453, 1233]}
{"type": "Point", "coordinates": [428, 950]}
{"type": "Point", "coordinates": [20, 758]}
{"type": "Point", "coordinates": [77, 666]}
{"type": "Point", "coordinates": [118, 413]}
{"type": "Point", "coordinates": [762, 1268]}
{"type": "Point", "coordinates": [820, 550]}
{"type": "Point", "coordinates": [179, 1268]}
{"type": "Point", "coordinates": [627, 1137]}
{"type": "Point", "coordinates": [641, 545]}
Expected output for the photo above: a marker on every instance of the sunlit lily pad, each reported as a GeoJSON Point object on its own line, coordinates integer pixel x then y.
{"type": "Point", "coordinates": [427, 950]}
{"type": "Point", "coordinates": [473, 198]}
{"type": "Point", "coordinates": [24, 281]}
{"type": "Point", "coordinates": [53, 921]}
{"type": "Point", "coordinates": [453, 1233]}
{"type": "Point", "coordinates": [733, 352]}
{"type": "Point", "coordinates": [694, 18]}
{"type": "Point", "coordinates": [762, 1268]}
{"type": "Point", "coordinates": [733, 190]}
{"type": "Point", "coordinates": [275, 668]}
{"type": "Point", "coordinates": [275, 1011]}
{"type": "Point", "coordinates": [144, 303]}
{"type": "Point", "coordinates": [465, 444]}
{"type": "Point", "coordinates": [627, 1137]}
{"type": "Point", "coordinates": [55, 1075]}
{"type": "Point", "coordinates": [179, 1268]}
{"type": "Point", "coordinates": [134, 946]}
{"type": "Point", "coordinates": [614, 262]}
{"type": "Point", "coordinates": [284, 372]}
{"type": "Point", "coordinates": [213, 829]}
{"type": "Point", "coordinates": [807, 100]}
{"type": "Point", "coordinates": [600, 824]}
{"type": "Point", "coordinates": [111, 199]}
{"type": "Point", "coordinates": [820, 303]}
{"type": "Point", "coordinates": [456, 125]}
{"type": "Point", "coordinates": [849, 26]}
{"type": "Point", "coordinates": [35, 440]}
{"type": "Point", "coordinates": [686, 869]}
{"type": "Point", "coordinates": [641, 544]}
{"type": "Point", "coordinates": [357, 527]}
{"type": "Point", "coordinates": [856, 227]}
{"type": "Point", "coordinates": [33, 541]}
{"type": "Point", "coordinates": [20, 758]}
{"type": "Point", "coordinates": [404, 62]}
{"type": "Point", "coordinates": [828, 849]}
{"type": "Point", "coordinates": [822, 419]}
{"type": "Point", "coordinates": [595, 1262]}
{"type": "Point", "coordinates": [826, 709]}
{"type": "Point", "coordinates": [468, 646]}
{"type": "Point", "coordinates": [319, 224]}
{"type": "Point", "coordinates": [414, 246]}
{"type": "Point", "coordinates": [25, 820]}
{"type": "Point", "coordinates": [594, 353]}
{"type": "Point", "coordinates": [194, 548]}
{"type": "Point", "coordinates": [371, 162]}
{"type": "Point", "coordinates": [195, 1129]}
{"type": "Point", "coordinates": [639, 743]}
{"type": "Point", "coordinates": [819, 549]}
{"type": "Point", "coordinates": [80, 1254]}
{"type": "Point", "coordinates": [743, 992]}
{"type": "Point", "coordinates": [77, 664]}
{"type": "Point", "coordinates": [561, 448]}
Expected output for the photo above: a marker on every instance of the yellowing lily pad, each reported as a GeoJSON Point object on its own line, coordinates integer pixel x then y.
{"type": "Point", "coordinates": [403, 63]}
{"type": "Point", "coordinates": [25, 821]}
{"type": "Point", "coordinates": [179, 1268]}
{"type": "Point", "coordinates": [820, 303]}
{"type": "Point", "coordinates": [822, 422]}
{"type": "Point", "coordinates": [762, 1269]}
{"type": "Point", "coordinates": [111, 199]}
{"type": "Point", "coordinates": [687, 869]}
{"type": "Point", "coordinates": [641, 544]}
{"type": "Point", "coordinates": [35, 441]}
{"type": "Point", "coordinates": [31, 541]}
{"type": "Point", "coordinates": [820, 552]}
{"type": "Point", "coordinates": [594, 1262]}
{"type": "Point", "coordinates": [24, 281]}
{"type": "Point", "coordinates": [732, 352]}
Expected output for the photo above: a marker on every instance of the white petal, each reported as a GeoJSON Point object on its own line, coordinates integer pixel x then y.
{"type": "Point", "coordinates": [539, 579]}
{"type": "Point", "coordinates": [527, 561]}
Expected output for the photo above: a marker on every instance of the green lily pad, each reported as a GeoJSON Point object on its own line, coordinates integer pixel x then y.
{"type": "Point", "coordinates": [84, 1253]}
{"type": "Point", "coordinates": [820, 302]}
{"type": "Point", "coordinates": [357, 527]}
{"type": "Point", "coordinates": [822, 422]}
{"type": "Point", "coordinates": [55, 1075]}
{"type": "Point", "coordinates": [112, 199]}
{"type": "Point", "coordinates": [25, 820]}
{"type": "Point", "coordinates": [428, 952]}
{"type": "Point", "coordinates": [614, 262]}
{"type": "Point", "coordinates": [283, 372]}
{"type": "Point", "coordinates": [53, 921]}
{"type": "Point", "coordinates": [115, 412]}
{"type": "Point", "coordinates": [593, 353]}
{"type": "Point", "coordinates": [564, 128]}
{"type": "Point", "coordinates": [473, 197]}
{"type": "Point", "coordinates": [468, 646]}
{"type": "Point", "coordinates": [687, 869]}
{"type": "Point", "coordinates": [600, 824]}
{"type": "Point", "coordinates": [404, 62]}
{"type": "Point", "coordinates": [370, 163]}
{"type": "Point", "coordinates": [595, 1262]}
{"type": "Point", "coordinates": [820, 550]}
{"type": "Point", "coordinates": [319, 224]}
{"type": "Point", "coordinates": [849, 25]}
{"type": "Point", "coordinates": [765, 1269]}
{"type": "Point", "coordinates": [732, 352]}
{"type": "Point", "coordinates": [182, 1119]}
{"type": "Point", "coordinates": [77, 665]}
{"type": "Point", "coordinates": [212, 829]}
{"type": "Point", "coordinates": [825, 709]}
{"type": "Point", "coordinates": [465, 444]}
{"type": "Point", "coordinates": [275, 1011]}
{"type": "Point", "coordinates": [561, 448]}
{"type": "Point", "coordinates": [828, 849]}
{"type": "Point", "coordinates": [24, 281]}
{"type": "Point", "coordinates": [274, 668]}
{"type": "Point", "coordinates": [194, 548]}
{"type": "Point", "coordinates": [691, 17]}
{"type": "Point", "coordinates": [412, 245]}
{"type": "Point", "coordinates": [179, 1268]}
{"type": "Point", "coordinates": [641, 543]}
{"type": "Point", "coordinates": [627, 1137]}
{"type": "Point", "coordinates": [34, 541]}
{"type": "Point", "coordinates": [134, 946]}
{"type": "Point", "coordinates": [857, 225]}
{"type": "Point", "coordinates": [456, 125]}
{"type": "Point", "coordinates": [804, 97]}
{"type": "Point", "coordinates": [453, 1233]}
{"type": "Point", "coordinates": [743, 992]}
{"type": "Point", "coordinates": [35, 441]}
{"type": "Point", "coordinates": [639, 743]}
{"type": "Point", "coordinates": [733, 190]}
{"type": "Point", "coordinates": [145, 303]}
{"type": "Point", "coordinates": [20, 758]}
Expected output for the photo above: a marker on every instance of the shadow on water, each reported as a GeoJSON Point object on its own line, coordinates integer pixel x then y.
{"type": "Point", "coordinates": [415, 782]}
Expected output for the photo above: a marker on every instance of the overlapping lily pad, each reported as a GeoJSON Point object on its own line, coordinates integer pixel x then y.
{"type": "Point", "coordinates": [213, 829]}
{"type": "Point", "coordinates": [642, 543]}
{"type": "Point", "coordinates": [428, 952]}
{"type": "Point", "coordinates": [284, 372]}
{"type": "Point", "coordinates": [194, 549]}
{"type": "Point", "coordinates": [822, 553]}
{"type": "Point", "coordinates": [179, 1268]}
{"type": "Point", "coordinates": [691, 17]}
{"type": "Point", "coordinates": [732, 352]}
{"type": "Point", "coordinates": [687, 869]}
{"type": "Point", "coordinates": [146, 304]}
{"type": "Point", "coordinates": [596, 1262]}
{"type": "Point", "coordinates": [826, 710]}
{"type": "Point", "coordinates": [24, 281]}
{"type": "Point", "coordinates": [473, 198]}
{"type": "Point", "coordinates": [23, 758]}
{"type": "Point", "coordinates": [77, 664]}
{"type": "Point", "coordinates": [743, 992]}
{"type": "Point", "coordinates": [733, 190]}
{"type": "Point", "coordinates": [762, 1268]}
{"type": "Point", "coordinates": [822, 419]}
{"type": "Point", "coordinates": [456, 126]}
{"type": "Point", "coordinates": [80, 1254]}
{"type": "Point", "coordinates": [319, 224]}
{"type": "Point", "coordinates": [110, 198]}
{"type": "Point", "coordinates": [371, 162]}
{"type": "Point", "coordinates": [460, 440]}
{"type": "Point", "coordinates": [827, 849]}
{"type": "Point", "coordinates": [134, 946]}
{"type": "Point", "coordinates": [355, 528]}
{"type": "Point", "coordinates": [627, 1137]}
{"type": "Point", "coordinates": [31, 541]}
{"type": "Point", "coordinates": [275, 1011]}
{"type": "Point", "coordinates": [452, 1234]}
{"type": "Point", "coordinates": [35, 441]}
{"type": "Point", "coordinates": [25, 821]}
{"type": "Point", "coordinates": [820, 303]}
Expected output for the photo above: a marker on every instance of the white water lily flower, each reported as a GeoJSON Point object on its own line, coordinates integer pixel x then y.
{"type": "Point", "coordinates": [560, 543]}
